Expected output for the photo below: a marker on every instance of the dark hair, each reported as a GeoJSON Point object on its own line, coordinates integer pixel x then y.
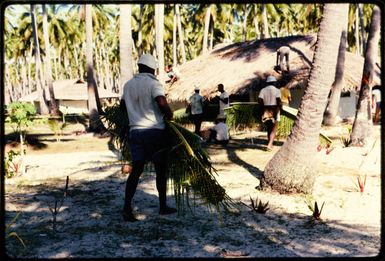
{"type": "Point", "coordinates": [220, 85]}
{"type": "Point", "coordinates": [145, 69]}
{"type": "Point", "coordinates": [375, 87]}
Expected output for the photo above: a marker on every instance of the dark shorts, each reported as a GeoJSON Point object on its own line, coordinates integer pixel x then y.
{"type": "Point", "coordinates": [148, 145]}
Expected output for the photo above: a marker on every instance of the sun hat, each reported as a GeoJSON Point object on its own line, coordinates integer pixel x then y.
{"type": "Point", "coordinates": [196, 87]}
{"type": "Point", "coordinates": [148, 60]}
{"type": "Point", "coordinates": [271, 78]}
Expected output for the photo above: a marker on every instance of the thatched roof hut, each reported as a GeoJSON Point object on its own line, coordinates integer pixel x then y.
{"type": "Point", "coordinates": [70, 89]}
{"type": "Point", "coordinates": [242, 67]}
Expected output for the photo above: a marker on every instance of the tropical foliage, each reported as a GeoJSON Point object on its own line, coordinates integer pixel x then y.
{"type": "Point", "coordinates": [66, 35]}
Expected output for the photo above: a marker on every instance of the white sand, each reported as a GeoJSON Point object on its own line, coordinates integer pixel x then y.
{"type": "Point", "coordinates": [90, 225]}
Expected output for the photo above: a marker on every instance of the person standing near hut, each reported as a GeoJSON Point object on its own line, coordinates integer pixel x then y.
{"type": "Point", "coordinates": [270, 98]}
{"type": "Point", "coordinates": [224, 102]}
{"type": "Point", "coordinates": [285, 96]}
{"type": "Point", "coordinates": [376, 101]}
{"type": "Point", "coordinates": [146, 105]}
{"type": "Point", "coordinates": [196, 103]}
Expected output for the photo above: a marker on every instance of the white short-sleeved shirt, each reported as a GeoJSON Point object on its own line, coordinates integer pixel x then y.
{"type": "Point", "coordinates": [377, 94]}
{"type": "Point", "coordinates": [139, 94]}
{"type": "Point", "coordinates": [222, 105]}
{"type": "Point", "coordinates": [196, 101]}
{"type": "Point", "coordinates": [222, 131]}
{"type": "Point", "coordinates": [269, 95]}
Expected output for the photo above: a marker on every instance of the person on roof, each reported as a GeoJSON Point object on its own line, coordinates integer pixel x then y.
{"type": "Point", "coordinates": [282, 53]}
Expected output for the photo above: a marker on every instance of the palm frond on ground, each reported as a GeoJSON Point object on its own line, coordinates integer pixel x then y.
{"type": "Point", "coordinates": [190, 168]}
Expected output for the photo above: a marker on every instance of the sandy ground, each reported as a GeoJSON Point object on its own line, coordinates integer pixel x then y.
{"type": "Point", "coordinates": [89, 224]}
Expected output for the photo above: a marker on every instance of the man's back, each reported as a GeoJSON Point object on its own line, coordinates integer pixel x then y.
{"type": "Point", "coordinates": [269, 95]}
{"type": "Point", "coordinates": [196, 101]}
{"type": "Point", "coordinates": [139, 94]}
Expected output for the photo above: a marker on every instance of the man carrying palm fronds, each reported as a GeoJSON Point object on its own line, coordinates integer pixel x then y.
{"type": "Point", "coordinates": [146, 105]}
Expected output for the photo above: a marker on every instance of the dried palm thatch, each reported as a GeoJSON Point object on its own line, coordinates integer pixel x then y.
{"type": "Point", "coordinates": [189, 168]}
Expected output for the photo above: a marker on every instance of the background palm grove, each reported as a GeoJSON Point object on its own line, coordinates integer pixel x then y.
{"type": "Point", "coordinates": [41, 40]}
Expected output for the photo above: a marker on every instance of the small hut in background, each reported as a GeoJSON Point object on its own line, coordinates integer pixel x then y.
{"type": "Point", "coordinates": [243, 68]}
{"type": "Point", "coordinates": [72, 96]}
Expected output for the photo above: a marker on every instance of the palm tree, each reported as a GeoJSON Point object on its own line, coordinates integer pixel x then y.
{"type": "Point", "coordinates": [206, 29]}
{"type": "Point", "coordinates": [292, 168]}
{"type": "Point", "coordinates": [39, 73]}
{"type": "Point", "coordinates": [361, 15]}
{"type": "Point", "coordinates": [159, 33]}
{"type": "Point", "coordinates": [94, 107]}
{"type": "Point", "coordinates": [174, 44]}
{"type": "Point", "coordinates": [265, 33]}
{"type": "Point", "coordinates": [362, 130]}
{"type": "Point", "coordinates": [125, 37]}
{"type": "Point", "coordinates": [180, 33]}
{"type": "Point", "coordinates": [54, 109]}
{"type": "Point", "coordinates": [334, 100]}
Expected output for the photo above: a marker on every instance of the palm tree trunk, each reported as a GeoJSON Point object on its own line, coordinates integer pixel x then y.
{"type": "Point", "coordinates": [159, 32]}
{"type": "Point", "coordinates": [29, 69]}
{"type": "Point", "coordinates": [140, 41]}
{"type": "Point", "coordinates": [265, 33]}
{"type": "Point", "coordinates": [54, 108]}
{"type": "Point", "coordinates": [244, 24]}
{"type": "Point", "coordinates": [125, 38]}
{"type": "Point", "coordinates": [363, 38]}
{"type": "Point", "coordinates": [95, 124]}
{"type": "Point", "coordinates": [257, 33]}
{"type": "Point", "coordinates": [39, 78]}
{"type": "Point", "coordinates": [174, 41]}
{"type": "Point", "coordinates": [293, 168]}
{"type": "Point", "coordinates": [180, 33]}
{"type": "Point", "coordinates": [356, 32]}
{"type": "Point", "coordinates": [362, 130]}
{"type": "Point", "coordinates": [211, 35]}
{"type": "Point", "coordinates": [206, 29]}
{"type": "Point", "coordinates": [77, 63]}
{"type": "Point", "coordinates": [331, 111]}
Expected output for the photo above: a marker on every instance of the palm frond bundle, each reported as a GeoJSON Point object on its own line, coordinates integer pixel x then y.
{"type": "Point", "coordinates": [241, 115]}
{"type": "Point", "coordinates": [181, 117]}
{"type": "Point", "coordinates": [190, 167]}
{"type": "Point", "coordinates": [118, 126]}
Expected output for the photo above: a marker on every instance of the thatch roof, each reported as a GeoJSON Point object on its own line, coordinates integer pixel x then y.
{"type": "Point", "coordinates": [241, 67]}
{"type": "Point", "coordinates": [72, 89]}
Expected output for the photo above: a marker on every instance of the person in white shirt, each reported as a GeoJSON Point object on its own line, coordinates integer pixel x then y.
{"type": "Point", "coordinates": [270, 98]}
{"type": "Point", "coordinates": [219, 133]}
{"type": "Point", "coordinates": [224, 102]}
{"type": "Point", "coordinates": [196, 103]}
{"type": "Point", "coordinates": [376, 101]}
{"type": "Point", "coordinates": [146, 105]}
